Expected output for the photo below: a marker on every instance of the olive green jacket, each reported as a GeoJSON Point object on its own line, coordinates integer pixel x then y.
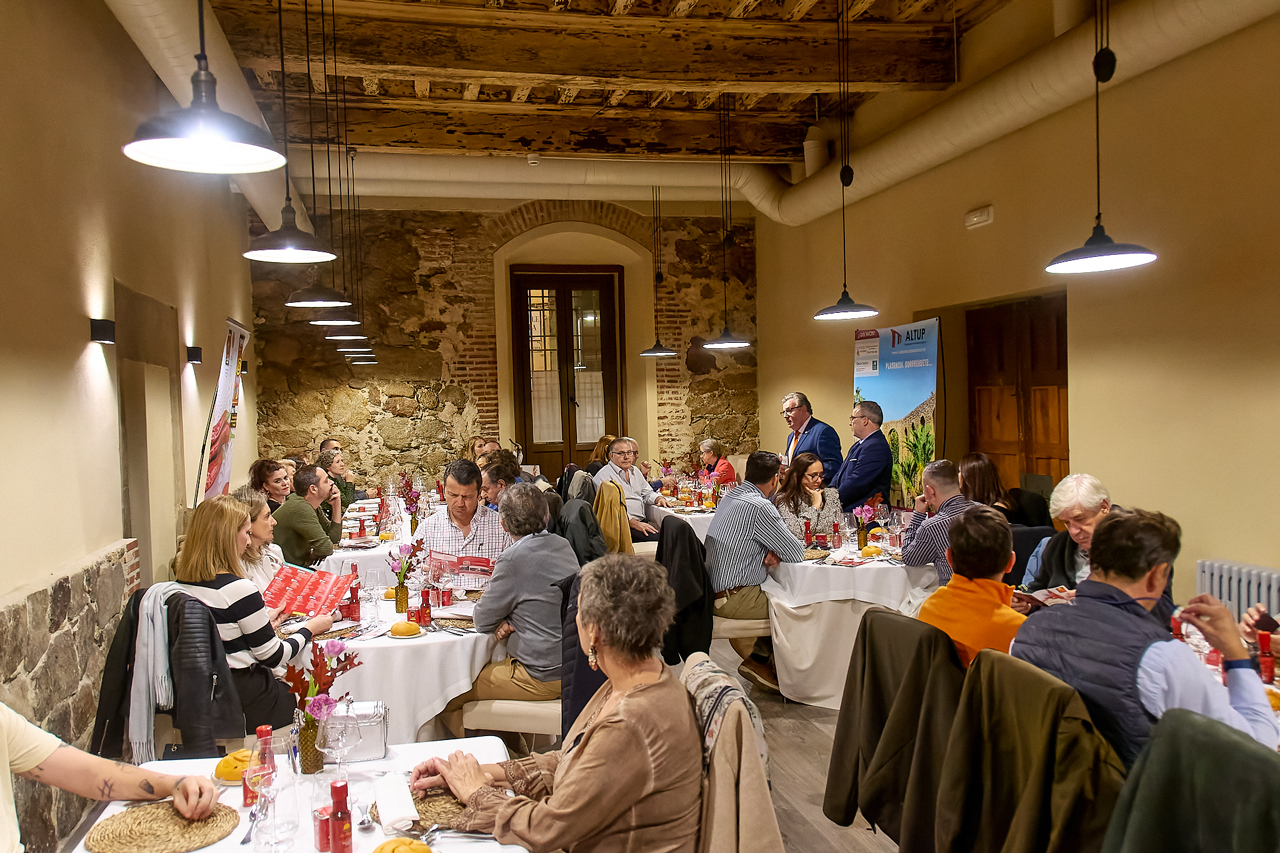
{"type": "Point", "coordinates": [303, 534]}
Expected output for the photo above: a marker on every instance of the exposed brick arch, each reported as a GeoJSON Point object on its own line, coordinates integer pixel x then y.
{"type": "Point", "coordinates": [534, 214]}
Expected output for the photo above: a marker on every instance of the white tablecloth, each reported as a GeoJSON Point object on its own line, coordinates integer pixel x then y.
{"type": "Point", "coordinates": [699, 521]}
{"type": "Point", "coordinates": [360, 778]}
{"type": "Point", "coordinates": [416, 678]}
{"type": "Point", "coordinates": [339, 562]}
{"type": "Point", "coordinates": [816, 611]}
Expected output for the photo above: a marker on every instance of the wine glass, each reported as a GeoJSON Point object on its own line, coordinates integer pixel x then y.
{"type": "Point", "coordinates": [337, 736]}
{"type": "Point", "coordinates": [275, 782]}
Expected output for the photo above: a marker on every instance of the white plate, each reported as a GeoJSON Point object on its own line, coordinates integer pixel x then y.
{"type": "Point", "coordinates": [420, 633]}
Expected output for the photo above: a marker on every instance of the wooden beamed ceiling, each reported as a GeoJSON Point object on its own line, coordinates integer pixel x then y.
{"type": "Point", "coordinates": [637, 78]}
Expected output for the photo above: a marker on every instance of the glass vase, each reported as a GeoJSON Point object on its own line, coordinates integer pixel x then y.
{"type": "Point", "coordinates": [309, 758]}
{"type": "Point", "coordinates": [862, 535]}
{"type": "Point", "coordinates": [402, 598]}
{"type": "Point", "coordinates": [413, 524]}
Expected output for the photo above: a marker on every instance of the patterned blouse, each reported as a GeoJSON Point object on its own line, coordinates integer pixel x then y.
{"type": "Point", "coordinates": [820, 520]}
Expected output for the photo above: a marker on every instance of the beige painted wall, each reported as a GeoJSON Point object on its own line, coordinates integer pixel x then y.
{"type": "Point", "coordinates": [1174, 368]}
{"type": "Point", "coordinates": [77, 215]}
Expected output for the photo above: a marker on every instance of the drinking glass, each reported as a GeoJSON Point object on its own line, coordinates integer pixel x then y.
{"type": "Point", "coordinates": [275, 782]}
{"type": "Point", "coordinates": [337, 736]}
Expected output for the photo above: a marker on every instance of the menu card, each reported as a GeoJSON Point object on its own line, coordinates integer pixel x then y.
{"type": "Point", "coordinates": [308, 593]}
{"type": "Point", "coordinates": [464, 572]}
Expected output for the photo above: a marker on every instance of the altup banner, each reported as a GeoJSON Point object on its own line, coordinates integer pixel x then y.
{"type": "Point", "coordinates": [220, 432]}
{"type": "Point", "coordinates": [897, 367]}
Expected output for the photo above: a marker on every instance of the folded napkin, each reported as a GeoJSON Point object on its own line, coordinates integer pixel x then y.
{"type": "Point", "coordinates": [396, 811]}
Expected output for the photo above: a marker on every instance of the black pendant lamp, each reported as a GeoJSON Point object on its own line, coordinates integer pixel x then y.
{"type": "Point", "coordinates": [845, 308]}
{"type": "Point", "coordinates": [727, 339]}
{"type": "Point", "coordinates": [1100, 253]}
{"type": "Point", "coordinates": [288, 244]}
{"type": "Point", "coordinates": [657, 350]}
{"type": "Point", "coordinates": [337, 317]}
{"type": "Point", "coordinates": [201, 137]}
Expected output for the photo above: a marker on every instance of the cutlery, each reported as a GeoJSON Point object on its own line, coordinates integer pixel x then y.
{"type": "Point", "coordinates": [254, 814]}
{"type": "Point", "coordinates": [365, 823]}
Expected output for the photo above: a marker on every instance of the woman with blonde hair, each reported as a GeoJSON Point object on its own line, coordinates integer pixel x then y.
{"type": "Point", "coordinates": [209, 569]}
{"type": "Point", "coordinates": [474, 447]}
{"type": "Point", "coordinates": [261, 559]}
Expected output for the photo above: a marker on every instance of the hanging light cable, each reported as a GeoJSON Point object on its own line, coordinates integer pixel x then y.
{"type": "Point", "coordinates": [845, 308]}
{"type": "Point", "coordinates": [1100, 253]}
{"type": "Point", "coordinates": [727, 339]}
{"type": "Point", "coordinates": [202, 137]}
{"type": "Point", "coordinates": [288, 244]}
{"type": "Point", "coordinates": [657, 350]}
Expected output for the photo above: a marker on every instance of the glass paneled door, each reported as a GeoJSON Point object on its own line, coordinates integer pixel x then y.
{"type": "Point", "coordinates": [565, 347]}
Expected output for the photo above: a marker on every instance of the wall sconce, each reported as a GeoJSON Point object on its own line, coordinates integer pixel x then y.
{"type": "Point", "coordinates": [102, 331]}
{"type": "Point", "coordinates": [244, 367]}
{"type": "Point", "coordinates": [195, 355]}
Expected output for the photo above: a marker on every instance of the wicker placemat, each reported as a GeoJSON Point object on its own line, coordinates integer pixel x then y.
{"type": "Point", "coordinates": [815, 553]}
{"type": "Point", "coordinates": [438, 805]}
{"type": "Point", "coordinates": [454, 623]}
{"type": "Point", "coordinates": [158, 828]}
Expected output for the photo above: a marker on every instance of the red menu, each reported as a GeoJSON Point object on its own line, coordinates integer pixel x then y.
{"type": "Point", "coordinates": [308, 593]}
{"type": "Point", "coordinates": [465, 572]}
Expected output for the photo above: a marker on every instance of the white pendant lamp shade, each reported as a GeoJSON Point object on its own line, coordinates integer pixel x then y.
{"type": "Point", "coordinates": [352, 350]}
{"type": "Point", "coordinates": [727, 340]}
{"type": "Point", "coordinates": [203, 138]}
{"type": "Point", "coordinates": [658, 350]}
{"type": "Point", "coordinates": [337, 317]}
{"type": "Point", "coordinates": [317, 296]}
{"type": "Point", "coordinates": [289, 244]}
{"type": "Point", "coordinates": [1100, 254]}
{"type": "Point", "coordinates": [345, 334]}
{"type": "Point", "coordinates": [846, 309]}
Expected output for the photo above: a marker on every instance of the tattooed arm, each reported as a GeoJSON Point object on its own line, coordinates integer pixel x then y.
{"type": "Point", "coordinates": [97, 778]}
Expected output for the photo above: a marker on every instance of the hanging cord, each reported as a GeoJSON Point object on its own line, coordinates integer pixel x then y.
{"type": "Point", "coordinates": [311, 118]}
{"type": "Point", "coordinates": [348, 257]}
{"type": "Point", "coordinates": [846, 173]}
{"type": "Point", "coordinates": [201, 56]}
{"type": "Point", "coordinates": [328, 137]}
{"type": "Point", "coordinates": [284, 99]}
{"type": "Point", "coordinates": [725, 203]}
{"type": "Point", "coordinates": [657, 235]}
{"type": "Point", "coordinates": [1104, 66]}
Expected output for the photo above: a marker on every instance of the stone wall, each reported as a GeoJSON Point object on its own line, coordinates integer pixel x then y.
{"type": "Point", "coordinates": [429, 305]}
{"type": "Point", "coordinates": [53, 645]}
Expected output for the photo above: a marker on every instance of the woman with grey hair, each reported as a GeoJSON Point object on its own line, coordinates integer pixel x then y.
{"type": "Point", "coordinates": [629, 775]}
{"type": "Point", "coordinates": [522, 607]}
{"type": "Point", "coordinates": [716, 466]}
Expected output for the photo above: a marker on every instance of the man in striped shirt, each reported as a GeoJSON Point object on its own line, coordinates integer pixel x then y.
{"type": "Point", "coordinates": [926, 539]}
{"type": "Point", "coordinates": [746, 538]}
{"type": "Point", "coordinates": [466, 528]}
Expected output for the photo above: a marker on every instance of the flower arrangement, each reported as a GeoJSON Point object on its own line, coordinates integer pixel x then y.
{"type": "Point", "coordinates": [311, 686]}
{"type": "Point", "coordinates": [863, 513]}
{"type": "Point", "coordinates": [408, 493]}
{"type": "Point", "coordinates": [405, 558]}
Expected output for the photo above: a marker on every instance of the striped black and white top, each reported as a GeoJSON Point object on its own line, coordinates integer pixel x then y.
{"type": "Point", "coordinates": [745, 528]}
{"type": "Point", "coordinates": [244, 622]}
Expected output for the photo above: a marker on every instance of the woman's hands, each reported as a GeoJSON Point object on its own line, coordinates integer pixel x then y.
{"type": "Point", "coordinates": [815, 497]}
{"type": "Point", "coordinates": [194, 797]}
{"type": "Point", "coordinates": [277, 615]}
{"type": "Point", "coordinates": [460, 772]}
{"type": "Point", "coordinates": [319, 624]}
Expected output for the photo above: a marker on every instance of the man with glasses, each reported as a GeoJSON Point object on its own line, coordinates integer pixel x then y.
{"type": "Point", "coordinates": [865, 472]}
{"type": "Point", "coordinates": [621, 469]}
{"type": "Point", "coordinates": [810, 435]}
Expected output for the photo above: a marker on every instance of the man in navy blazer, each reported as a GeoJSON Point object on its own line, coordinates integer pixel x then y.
{"type": "Point", "coordinates": [810, 435]}
{"type": "Point", "coordinates": [867, 469]}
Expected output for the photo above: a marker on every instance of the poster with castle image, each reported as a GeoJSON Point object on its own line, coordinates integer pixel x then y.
{"type": "Point", "coordinates": [897, 367]}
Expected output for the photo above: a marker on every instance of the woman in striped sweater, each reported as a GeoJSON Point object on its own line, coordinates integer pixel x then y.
{"type": "Point", "coordinates": [209, 568]}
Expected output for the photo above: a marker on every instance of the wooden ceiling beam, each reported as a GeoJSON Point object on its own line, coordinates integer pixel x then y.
{"type": "Point", "coordinates": [621, 7]}
{"type": "Point", "coordinates": [787, 103]}
{"type": "Point", "coordinates": [682, 8]}
{"type": "Point", "coordinates": [422, 87]}
{"type": "Point", "coordinates": [742, 8]}
{"type": "Point", "coordinates": [706, 100]}
{"type": "Point", "coordinates": [471, 92]}
{"type": "Point", "coordinates": [577, 131]}
{"type": "Point", "coordinates": [566, 95]}
{"type": "Point", "coordinates": [905, 10]}
{"type": "Point", "coordinates": [520, 94]}
{"type": "Point", "coordinates": [370, 85]}
{"type": "Point", "coordinates": [749, 100]}
{"type": "Point", "coordinates": [794, 10]}
{"type": "Point", "coordinates": [594, 53]}
{"type": "Point", "coordinates": [853, 9]}
{"type": "Point", "coordinates": [615, 97]}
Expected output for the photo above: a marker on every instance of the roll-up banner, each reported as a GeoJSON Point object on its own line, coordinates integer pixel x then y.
{"type": "Point", "coordinates": [897, 367]}
{"type": "Point", "coordinates": [220, 432]}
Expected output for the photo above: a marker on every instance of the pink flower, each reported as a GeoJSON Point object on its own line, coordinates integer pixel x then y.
{"type": "Point", "coordinates": [415, 495]}
{"type": "Point", "coordinates": [321, 706]}
{"type": "Point", "coordinates": [334, 647]}
{"type": "Point", "coordinates": [405, 550]}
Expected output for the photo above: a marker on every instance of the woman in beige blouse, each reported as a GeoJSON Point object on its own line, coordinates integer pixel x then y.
{"type": "Point", "coordinates": [801, 498]}
{"type": "Point", "coordinates": [629, 776]}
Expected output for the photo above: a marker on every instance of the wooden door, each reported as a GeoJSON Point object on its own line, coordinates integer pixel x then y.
{"type": "Point", "coordinates": [565, 333]}
{"type": "Point", "coordinates": [1018, 387]}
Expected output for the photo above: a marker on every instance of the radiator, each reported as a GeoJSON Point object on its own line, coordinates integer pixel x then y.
{"type": "Point", "coordinates": [1239, 585]}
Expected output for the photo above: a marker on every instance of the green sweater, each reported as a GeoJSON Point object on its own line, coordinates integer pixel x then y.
{"type": "Point", "coordinates": [302, 533]}
{"type": "Point", "coordinates": [345, 489]}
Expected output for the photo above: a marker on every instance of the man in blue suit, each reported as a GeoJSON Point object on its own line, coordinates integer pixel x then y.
{"type": "Point", "coordinates": [810, 435]}
{"type": "Point", "coordinates": [866, 470]}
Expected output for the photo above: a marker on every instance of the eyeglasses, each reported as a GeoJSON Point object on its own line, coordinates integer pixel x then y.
{"type": "Point", "coordinates": [624, 453]}
{"type": "Point", "coordinates": [789, 410]}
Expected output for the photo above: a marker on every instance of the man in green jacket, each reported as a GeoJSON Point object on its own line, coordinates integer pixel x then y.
{"type": "Point", "coordinates": [303, 533]}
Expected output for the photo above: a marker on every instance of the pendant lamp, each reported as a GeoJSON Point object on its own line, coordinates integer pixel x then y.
{"type": "Point", "coordinates": [337, 317]}
{"type": "Point", "coordinates": [288, 244]}
{"type": "Point", "coordinates": [1100, 253]}
{"type": "Point", "coordinates": [657, 350]}
{"type": "Point", "coordinates": [354, 349]}
{"type": "Point", "coordinates": [727, 339]}
{"type": "Point", "coordinates": [845, 308]}
{"type": "Point", "coordinates": [346, 334]}
{"type": "Point", "coordinates": [201, 137]}
{"type": "Point", "coordinates": [317, 296]}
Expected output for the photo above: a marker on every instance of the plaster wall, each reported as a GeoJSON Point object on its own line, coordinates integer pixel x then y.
{"type": "Point", "coordinates": [1174, 368]}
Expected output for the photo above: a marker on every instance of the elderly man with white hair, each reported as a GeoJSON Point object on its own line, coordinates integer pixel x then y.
{"type": "Point", "coordinates": [1079, 501]}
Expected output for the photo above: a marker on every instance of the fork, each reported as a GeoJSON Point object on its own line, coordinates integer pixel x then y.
{"type": "Point", "coordinates": [254, 814]}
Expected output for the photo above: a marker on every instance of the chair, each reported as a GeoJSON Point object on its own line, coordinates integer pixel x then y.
{"type": "Point", "coordinates": [511, 715]}
{"type": "Point", "coordinates": [739, 463]}
{"type": "Point", "coordinates": [741, 633]}
{"type": "Point", "coordinates": [578, 681]}
{"type": "Point", "coordinates": [684, 558]}
{"type": "Point", "coordinates": [611, 514]}
{"type": "Point", "coordinates": [900, 698]}
{"type": "Point", "coordinates": [1025, 540]}
{"type": "Point", "coordinates": [648, 550]}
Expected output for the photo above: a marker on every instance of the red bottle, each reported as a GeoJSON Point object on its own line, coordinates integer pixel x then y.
{"type": "Point", "coordinates": [440, 489]}
{"type": "Point", "coordinates": [808, 535]}
{"type": "Point", "coordinates": [362, 532]}
{"type": "Point", "coordinates": [1176, 624]}
{"type": "Point", "coordinates": [268, 759]}
{"type": "Point", "coordinates": [1213, 660]}
{"type": "Point", "coordinates": [835, 536]}
{"type": "Point", "coordinates": [339, 820]}
{"type": "Point", "coordinates": [1266, 661]}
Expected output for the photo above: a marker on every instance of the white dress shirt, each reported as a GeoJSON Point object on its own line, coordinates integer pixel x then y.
{"type": "Point", "coordinates": [635, 489]}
